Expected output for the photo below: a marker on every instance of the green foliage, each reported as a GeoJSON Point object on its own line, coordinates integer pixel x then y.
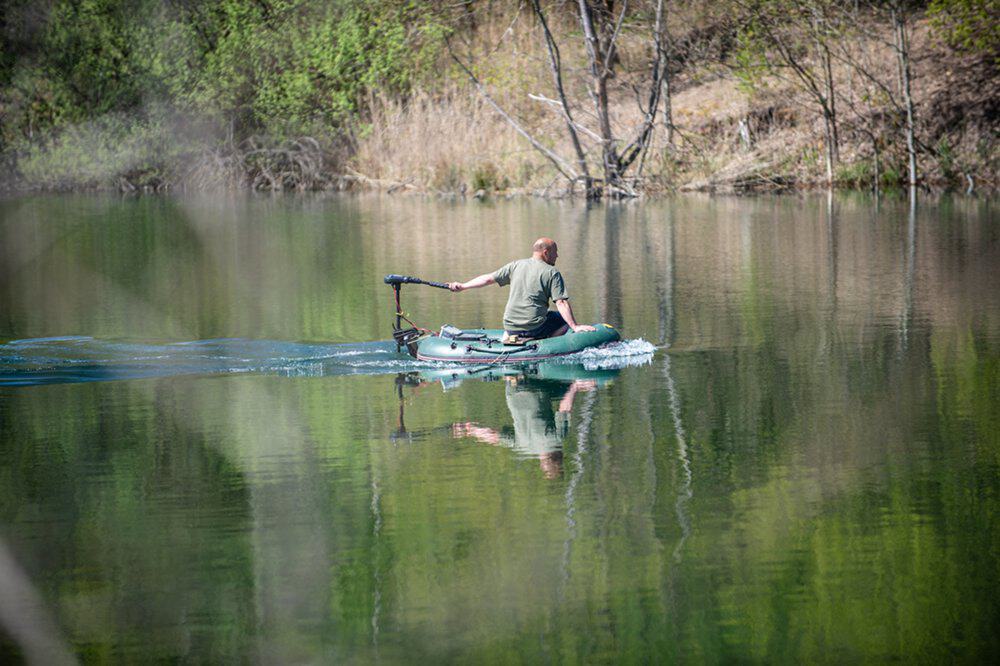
{"type": "Point", "coordinates": [750, 58]}
{"type": "Point", "coordinates": [313, 64]}
{"type": "Point", "coordinates": [972, 25]}
{"type": "Point", "coordinates": [946, 159]}
{"type": "Point", "coordinates": [280, 67]}
{"type": "Point", "coordinates": [861, 174]}
{"type": "Point", "coordinates": [278, 70]}
{"type": "Point", "coordinates": [857, 174]}
{"type": "Point", "coordinates": [892, 176]}
{"type": "Point", "coordinates": [88, 51]}
{"type": "Point", "coordinates": [95, 154]}
{"type": "Point", "coordinates": [79, 64]}
{"type": "Point", "coordinates": [487, 177]}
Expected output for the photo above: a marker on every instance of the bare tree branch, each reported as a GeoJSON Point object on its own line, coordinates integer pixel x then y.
{"type": "Point", "coordinates": [555, 103]}
{"type": "Point", "coordinates": [614, 38]}
{"type": "Point", "coordinates": [596, 54]}
{"type": "Point", "coordinates": [557, 161]}
{"type": "Point", "coordinates": [510, 28]}
{"type": "Point", "coordinates": [556, 67]}
{"type": "Point", "coordinates": [638, 146]}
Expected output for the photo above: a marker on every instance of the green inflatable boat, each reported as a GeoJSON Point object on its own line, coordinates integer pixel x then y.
{"type": "Point", "coordinates": [483, 345]}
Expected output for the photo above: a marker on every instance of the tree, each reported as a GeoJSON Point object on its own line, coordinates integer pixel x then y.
{"type": "Point", "coordinates": [791, 39]}
{"type": "Point", "coordinates": [601, 23]}
{"type": "Point", "coordinates": [894, 14]}
{"type": "Point", "coordinates": [898, 11]}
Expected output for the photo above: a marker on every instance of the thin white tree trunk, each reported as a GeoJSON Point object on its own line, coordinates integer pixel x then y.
{"type": "Point", "coordinates": [555, 63]}
{"type": "Point", "coordinates": [903, 54]}
{"type": "Point", "coordinates": [600, 61]}
{"type": "Point", "coordinates": [668, 109]}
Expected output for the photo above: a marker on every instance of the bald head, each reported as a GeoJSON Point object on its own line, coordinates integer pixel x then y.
{"type": "Point", "coordinates": [543, 244]}
{"type": "Point", "coordinates": [546, 250]}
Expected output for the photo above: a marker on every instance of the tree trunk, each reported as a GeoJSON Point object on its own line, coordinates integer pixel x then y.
{"type": "Point", "coordinates": [668, 109]}
{"type": "Point", "coordinates": [601, 54]}
{"type": "Point", "coordinates": [903, 54]}
{"type": "Point", "coordinates": [826, 99]}
{"type": "Point", "coordinates": [819, 90]}
{"type": "Point", "coordinates": [555, 63]}
{"type": "Point", "coordinates": [657, 90]}
{"type": "Point", "coordinates": [664, 46]}
{"type": "Point", "coordinates": [832, 104]}
{"type": "Point", "coordinates": [829, 140]}
{"type": "Point", "coordinates": [878, 166]}
{"type": "Point", "coordinates": [608, 152]}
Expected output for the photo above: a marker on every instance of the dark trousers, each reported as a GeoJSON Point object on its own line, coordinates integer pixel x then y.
{"type": "Point", "coordinates": [553, 322]}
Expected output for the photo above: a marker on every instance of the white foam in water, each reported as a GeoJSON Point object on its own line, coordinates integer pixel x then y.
{"type": "Point", "coordinates": [615, 355]}
{"type": "Point", "coordinates": [44, 360]}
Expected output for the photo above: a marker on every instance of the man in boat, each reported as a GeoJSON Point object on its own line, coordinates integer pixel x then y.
{"type": "Point", "coordinates": [538, 432]}
{"type": "Point", "coordinates": [533, 282]}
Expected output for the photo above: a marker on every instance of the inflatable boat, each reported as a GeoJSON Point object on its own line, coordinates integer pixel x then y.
{"type": "Point", "coordinates": [483, 345]}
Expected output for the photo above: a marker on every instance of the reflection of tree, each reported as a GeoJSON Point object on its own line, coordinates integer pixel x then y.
{"type": "Point", "coordinates": [832, 266]}
{"type": "Point", "coordinates": [666, 308]}
{"type": "Point", "coordinates": [25, 618]}
{"type": "Point", "coordinates": [579, 463]}
{"type": "Point", "coordinates": [611, 302]}
{"type": "Point", "coordinates": [684, 492]}
{"type": "Point", "coordinates": [906, 318]}
{"type": "Point", "coordinates": [377, 574]}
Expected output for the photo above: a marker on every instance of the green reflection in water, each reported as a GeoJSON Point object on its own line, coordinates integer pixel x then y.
{"type": "Point", "coordinates": [810, 472]}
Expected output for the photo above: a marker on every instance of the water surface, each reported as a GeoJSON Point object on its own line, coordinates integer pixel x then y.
{"type": "Point", "coordinates": [210, 451]}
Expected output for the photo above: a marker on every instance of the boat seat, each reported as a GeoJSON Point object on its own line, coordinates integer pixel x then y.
{"type": "Point", "coordinates": [515, 339]}
{"type": "Point", "coordinates": [454, 333]}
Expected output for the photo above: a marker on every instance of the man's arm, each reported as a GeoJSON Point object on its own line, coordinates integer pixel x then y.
{"type": "Point", "coordinates": [566, 404]}
{"type": "Point", "coordinates": [474, 283]}
{"type": "Point", "coordinates": [472, 429]}
{"type": "Point", "coordinates": [566, 310]}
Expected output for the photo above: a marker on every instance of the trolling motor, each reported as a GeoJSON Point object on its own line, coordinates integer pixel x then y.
{"type": "Point", "coordinates": [407, 337]}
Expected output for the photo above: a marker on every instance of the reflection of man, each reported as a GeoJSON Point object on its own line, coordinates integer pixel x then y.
{"type": "Point", "coordinates": [538, 433]}
{"type": "Point", "coordinates": [533, 282]}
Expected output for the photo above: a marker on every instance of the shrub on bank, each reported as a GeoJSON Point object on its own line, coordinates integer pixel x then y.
{"type": "Point", "coordinates": [111, 152]}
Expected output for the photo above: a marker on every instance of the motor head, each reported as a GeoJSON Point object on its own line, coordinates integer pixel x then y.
{"type": "Point", "coordinates": [401, 279]}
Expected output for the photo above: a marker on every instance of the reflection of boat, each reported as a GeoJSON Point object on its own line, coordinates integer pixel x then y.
{"type": "Point", "coordinates": [539, 397]}
{"type": "Point", "coordinates": [546, 370]}
{"type": "Point", "coordinates": [484, 346]}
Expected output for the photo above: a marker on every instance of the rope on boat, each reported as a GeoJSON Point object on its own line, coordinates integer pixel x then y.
{"type": "Point", "coordinates": [402, 315]}
{"type": "Point", "coordinates": [505, 352]}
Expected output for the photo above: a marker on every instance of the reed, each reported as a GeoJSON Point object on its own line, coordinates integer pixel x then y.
{"type": "Point", "coordinates": [450, 142]}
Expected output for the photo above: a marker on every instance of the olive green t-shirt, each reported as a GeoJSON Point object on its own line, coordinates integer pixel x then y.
{"type": "Point", "coordinates": [532, 283]}
{"type": "Point", "coordinates": [537, 431]}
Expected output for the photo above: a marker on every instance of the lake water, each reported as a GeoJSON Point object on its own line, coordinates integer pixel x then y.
{"type": "Point", "coordinates": [211, 452]}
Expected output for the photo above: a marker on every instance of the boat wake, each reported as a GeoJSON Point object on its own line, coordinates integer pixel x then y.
{"type": "Point", "coordinates": [83, 359]}
{"type": "Point", "coordinates": [613, 356]}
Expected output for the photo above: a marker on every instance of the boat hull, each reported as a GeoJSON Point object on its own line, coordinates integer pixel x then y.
{"type": "Point", "coordinates": [481, 345]}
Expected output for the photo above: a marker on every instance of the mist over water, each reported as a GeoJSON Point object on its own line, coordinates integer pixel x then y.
{"type": "Point", "coordinates": [210, 448]}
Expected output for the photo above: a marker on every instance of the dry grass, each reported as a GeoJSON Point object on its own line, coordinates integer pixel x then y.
{"type": "Point", "coordinates": [449, 143]}
{"type": "Point", "coordinates": [447, 138]}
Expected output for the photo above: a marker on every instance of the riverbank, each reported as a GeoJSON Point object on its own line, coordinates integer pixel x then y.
{"type": "Point", "coordinates": [733, 127]}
